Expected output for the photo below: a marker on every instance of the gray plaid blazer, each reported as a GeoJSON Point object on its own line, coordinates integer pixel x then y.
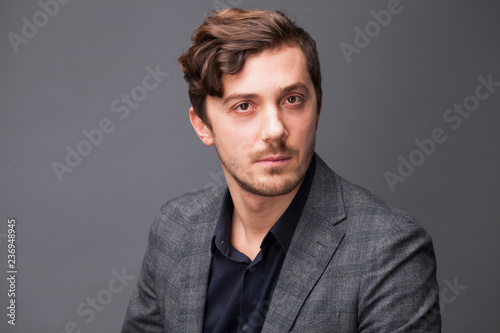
{"type": "Point", "coordinates": [355, 264]}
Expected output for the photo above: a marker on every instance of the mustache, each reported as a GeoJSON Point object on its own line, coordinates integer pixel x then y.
{"type": "Point", "coordinates": [273, 150]}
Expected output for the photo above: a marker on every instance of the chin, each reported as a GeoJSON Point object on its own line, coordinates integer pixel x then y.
{"type": "Point", "coordinates": [272, 187]}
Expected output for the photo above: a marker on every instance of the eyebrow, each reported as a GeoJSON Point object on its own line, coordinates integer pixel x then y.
{"type": "Point", "coordinates": [236, 96]}
{"type": "Point", "coordinates": [295, 86]}
{"type": "Point", "coordinates": [284, 90]}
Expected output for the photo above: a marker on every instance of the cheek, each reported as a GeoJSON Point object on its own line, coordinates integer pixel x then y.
{"type": "Point", "coordinates": [243, 144]}
{"type": "Point", "coordinates": [244, 137]}
{"type": "Point", "coordinates": [234, 142]}
{"type": "Point", "coordinates": [305, 133]}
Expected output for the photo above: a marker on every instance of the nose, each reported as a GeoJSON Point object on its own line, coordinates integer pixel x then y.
{"type": "Point", "coordinates": [273, 128]}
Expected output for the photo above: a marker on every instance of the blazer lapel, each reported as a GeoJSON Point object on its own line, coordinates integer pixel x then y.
{"type": "Point", "coordinates": [316, 239]}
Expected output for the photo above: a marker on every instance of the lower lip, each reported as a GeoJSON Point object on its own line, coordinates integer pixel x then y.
{"type": "Point", "coordinates": [274, 162]}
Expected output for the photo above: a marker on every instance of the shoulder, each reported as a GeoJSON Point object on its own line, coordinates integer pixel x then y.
{"type": "Point", "coordinates": [363, 209]}
{"type": "Point", "coordinates": [195, 204]}
{"type": "Point", "coordinates": [382, 232]}
{"type": "Point", "coordinates": [191, 209]}
{"type": "Point", "coordinates": [359, 201]}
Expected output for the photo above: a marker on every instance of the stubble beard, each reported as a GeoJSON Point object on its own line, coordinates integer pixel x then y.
{"type": "Point", "coordinates": [269, 187]}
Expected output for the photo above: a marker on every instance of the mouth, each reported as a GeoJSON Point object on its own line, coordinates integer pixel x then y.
{"type": "Point", "coordinates": [274, 160]}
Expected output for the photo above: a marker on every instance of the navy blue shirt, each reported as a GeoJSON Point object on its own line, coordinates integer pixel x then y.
{"type": "Point", "coordinates": [240, 290]}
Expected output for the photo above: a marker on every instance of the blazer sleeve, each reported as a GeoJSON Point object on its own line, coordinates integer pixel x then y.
{"type": "Point", "coordinates": [399, 291]}
{"type": "Point", "coordinates": [143, 313]}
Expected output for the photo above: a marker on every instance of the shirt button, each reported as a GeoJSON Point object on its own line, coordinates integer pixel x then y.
{"type": "Point", "coordinates": [244, 327]}
{"type": "Point", "coordinates": [252, 269]}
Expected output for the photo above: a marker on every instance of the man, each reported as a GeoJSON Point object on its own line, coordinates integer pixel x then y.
{"type": "Point", "coordinates": [286, 245]}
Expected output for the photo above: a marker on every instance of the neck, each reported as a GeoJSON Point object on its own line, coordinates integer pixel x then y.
{"type": "Point", "coordinates": [254, 216]}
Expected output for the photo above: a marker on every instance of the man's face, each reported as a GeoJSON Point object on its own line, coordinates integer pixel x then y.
{"type": "Point", "coordinates": [264, 126]}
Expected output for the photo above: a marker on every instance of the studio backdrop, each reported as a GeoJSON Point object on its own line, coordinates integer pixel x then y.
{"type": "Point", "coordinates": [95, 137]}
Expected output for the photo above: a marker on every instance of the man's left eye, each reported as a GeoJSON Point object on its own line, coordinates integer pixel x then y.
{"type": "Point", "coordinates": [293, 99]}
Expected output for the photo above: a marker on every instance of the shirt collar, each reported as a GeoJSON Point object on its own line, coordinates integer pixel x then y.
{"type": "Point", "coordinates": [282, 230]}
{"type": "Point", "coordinates": [220, 238]}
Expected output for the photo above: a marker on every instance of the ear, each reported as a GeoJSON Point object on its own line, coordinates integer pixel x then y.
{"type": "Point", "coordinates": [200, 128]}
{"type": "Point", "coordinates": [317, 119]}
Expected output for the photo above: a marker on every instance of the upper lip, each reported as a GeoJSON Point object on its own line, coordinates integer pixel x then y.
{"type": "Point", "coordinates": [274, 158]}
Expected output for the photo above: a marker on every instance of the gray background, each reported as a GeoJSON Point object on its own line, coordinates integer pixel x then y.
{"type": "Point", "coordinates": [72, 234]}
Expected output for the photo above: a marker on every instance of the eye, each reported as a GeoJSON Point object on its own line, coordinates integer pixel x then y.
{"type": "Point", "coordinates": [294, 99]}
{"type": "Point", "coordinates": [243, 107]}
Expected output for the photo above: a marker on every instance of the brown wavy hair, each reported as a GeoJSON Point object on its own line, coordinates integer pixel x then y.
{"type": "Point", "coordinates": [223, 42]}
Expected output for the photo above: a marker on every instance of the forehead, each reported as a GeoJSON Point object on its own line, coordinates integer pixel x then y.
{"type": "Point", "coordinates": [269, 71]}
